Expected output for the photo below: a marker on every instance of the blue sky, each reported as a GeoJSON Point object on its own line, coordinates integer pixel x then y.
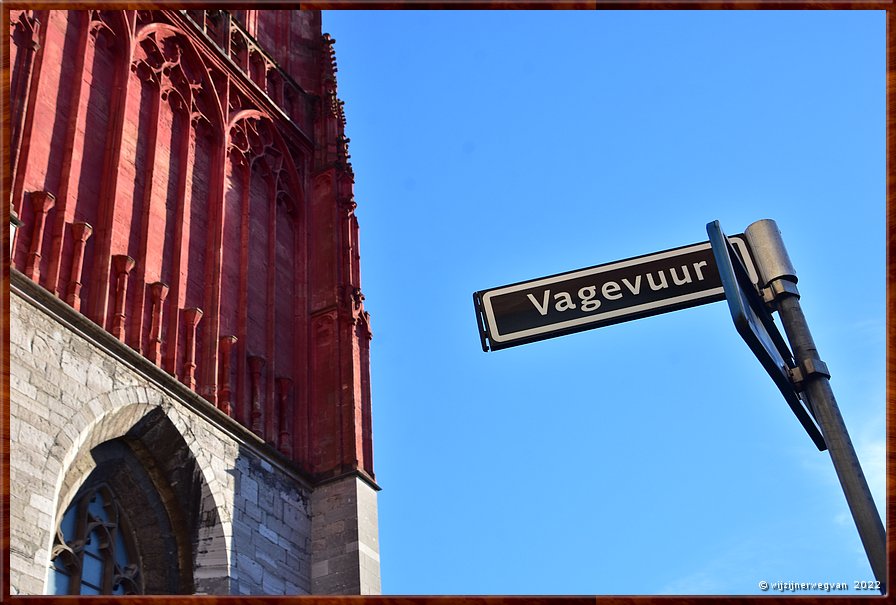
{"type": "Point", "coordinates": [649, 457]}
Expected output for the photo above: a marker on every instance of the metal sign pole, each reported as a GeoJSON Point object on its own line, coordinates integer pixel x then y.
{"type": "Point", "coordinates": [778, 279]}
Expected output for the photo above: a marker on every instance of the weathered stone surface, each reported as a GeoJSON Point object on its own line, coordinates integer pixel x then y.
{"type": "Point", "coordinates": [345, 538]}
{"type": "Point", "coordinates": [261, 529]}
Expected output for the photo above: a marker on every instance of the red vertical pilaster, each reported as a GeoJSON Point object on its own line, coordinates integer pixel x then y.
{"type": "Point", "coordinates": [35, 88]}
{"type": "Point", "coordinates": [186, 152]}
{"type": "Point", "coordinates": [140, 224]}
{"type": "Point", "coordinates": [66, 210]}
{"type": "Point", "coordinates": [108, 206]}
{"type": "Point", "coordinates": [25, 38]}
{"type": "Point", "coordinates": [301, 423]}
{"type": "Point", "coordinates": [214, 254]}
{"type": "Point", "coordinates": [349, 347]}
{"type": "Point", "coordinates": [271, 416]}
{"type": "Point", "coordinates": [256, 366]}
{"type": "Point", "coordinates": [243, 406]}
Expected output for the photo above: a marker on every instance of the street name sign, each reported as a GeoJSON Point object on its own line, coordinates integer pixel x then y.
{"type": "Point", "coordinates": [756, 326]}
{"type": "Point", "coordinates": [605, 294]}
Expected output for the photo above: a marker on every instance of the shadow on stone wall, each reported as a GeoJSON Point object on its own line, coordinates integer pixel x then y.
{"type": "Point", "coordinates": [271, 544]}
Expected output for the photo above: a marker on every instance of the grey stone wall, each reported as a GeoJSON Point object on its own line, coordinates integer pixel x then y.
{"type": "Point", "coordinates": [246, 515]}
{"type": "Point", "coordinates": [345, 542]}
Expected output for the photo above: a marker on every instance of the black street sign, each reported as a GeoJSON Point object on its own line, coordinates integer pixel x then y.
{"type": "Point", "coordinates": [757, 327]}
{"type": "Point", "coordinates": [602, 295]}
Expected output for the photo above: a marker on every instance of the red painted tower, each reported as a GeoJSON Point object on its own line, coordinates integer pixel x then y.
{"type": "Point", "coordinates": [184, 183]}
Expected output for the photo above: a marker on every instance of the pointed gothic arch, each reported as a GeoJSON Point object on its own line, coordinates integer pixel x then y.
{"type": "Point", "coordinates": [164, 510]}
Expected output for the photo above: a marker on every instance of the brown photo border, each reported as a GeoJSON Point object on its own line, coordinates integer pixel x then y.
{"type": "Point", "coordinates": [887, 5]}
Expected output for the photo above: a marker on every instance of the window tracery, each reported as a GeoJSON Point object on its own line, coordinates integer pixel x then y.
{"type": "Point", "coordinates": [94, 552]}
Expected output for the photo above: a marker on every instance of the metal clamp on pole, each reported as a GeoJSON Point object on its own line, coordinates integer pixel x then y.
{"type": "Point", "coordinates": [778, 288]}
{"type": "Point", "coordinates": [808, 367]}
{"type": "Point", "coordinates": [778, 276]}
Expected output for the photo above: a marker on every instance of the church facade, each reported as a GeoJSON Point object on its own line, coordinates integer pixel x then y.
{"type": "Point", "coordinates": [188, 345]}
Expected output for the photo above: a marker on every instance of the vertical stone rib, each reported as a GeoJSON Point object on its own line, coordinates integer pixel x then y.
{"type": "Point", "coordinates": [99, 295]}
{"type": "Point", "coordinates": [20, 163]}
{"type": "Point", "coordinates": [242, 320]}
{"type": "Point", "coordinates": [302, 316]}
{"type": "Point", "coordinates": [214, 256]}
{"type": "Point", "coordinates": [271, 418]}
{"type": "Point", "coordinates": [187, 150]}
{"type": "Point", "coordinates": [25, 37]}
{"type": "Point", "coordinates": [256, 366]}
{"type": "Point", "coordinates": [66, 180]}
{"type": "Point", "coordinates": [135, 332]}
{"type": "Point", "coordinates": [349, 350]}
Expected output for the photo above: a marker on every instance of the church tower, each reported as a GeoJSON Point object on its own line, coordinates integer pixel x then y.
{"type": "Point", "coordinates": [189, 349]}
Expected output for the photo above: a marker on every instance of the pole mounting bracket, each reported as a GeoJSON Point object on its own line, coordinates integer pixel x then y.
{"type": "Point", "coordinates": [808, 367]}
{"type": "Point", "coordinates": [779, 288]}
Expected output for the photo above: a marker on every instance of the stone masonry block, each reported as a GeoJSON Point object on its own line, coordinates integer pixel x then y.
{"type": "Point", "coordinates": [273, 585]}
{"type": "Point", "coordinates": [270, 556]}
{"type": "Point", "coordinates": [42, 504]}
{"type": "Point", "coordinates": [98, 380]}
{"type": "Point", "coordinates": [249, 570]}
{"type": "Point", "coordinates": [22, 385]}
{"type": "Point", "coordinates": [249, 489]}
{"type": "Point", "coordinates": [267, 533]}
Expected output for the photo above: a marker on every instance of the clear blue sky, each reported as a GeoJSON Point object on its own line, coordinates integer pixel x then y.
{"type": "Point", "coordinates": [649, 457]}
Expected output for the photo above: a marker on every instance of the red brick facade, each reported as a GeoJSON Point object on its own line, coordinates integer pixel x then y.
{"type": "Point", "coordinates": [184, 182]}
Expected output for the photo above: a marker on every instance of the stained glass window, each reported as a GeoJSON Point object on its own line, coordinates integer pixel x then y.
{"type": "Point", "coordinates": [93, 552]}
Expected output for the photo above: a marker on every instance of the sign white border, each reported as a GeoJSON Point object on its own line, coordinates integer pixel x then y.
{"type": "Point", "coordinates": [497, 337]}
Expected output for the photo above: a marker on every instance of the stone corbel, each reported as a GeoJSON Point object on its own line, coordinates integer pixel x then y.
{"type": "Point", "coordinates": [225, 348]}
{"type": "Point", "coordinates": [159, 292]}
{"type": "Point", "coordinates": [80, 233]}
{"type": "Point", "coordinates": [121, 266]}
{"type": "Point", "coordinates": [41, 202]}
{"type": "Point", "coordinates": [192, 316]}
